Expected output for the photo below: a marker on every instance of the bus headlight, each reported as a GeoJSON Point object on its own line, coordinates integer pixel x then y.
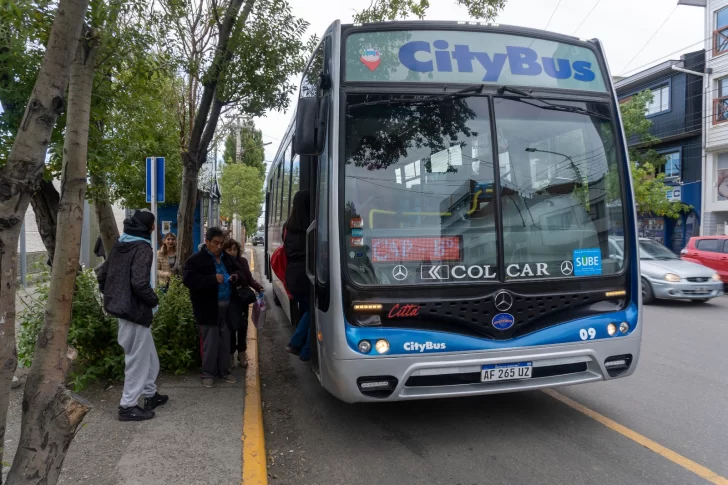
{"type": "Point", "coordinates": [611, 329]}
{"type": "Point", "coordinates": [672, 277]}
{"type": "Point", "coordinates": [382, 346]}
{"type": "Point", "coordinates": [716, 277]}
{"type": "Point", "coordinates": [365, 347]}
{"type": "Point", "coordinates": [624, 327]}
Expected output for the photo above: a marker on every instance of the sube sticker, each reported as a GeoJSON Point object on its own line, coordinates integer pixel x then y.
{"type": "Point", "coordinates": [587, 262]}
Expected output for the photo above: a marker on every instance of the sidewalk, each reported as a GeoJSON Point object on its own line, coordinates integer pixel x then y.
{"type": "Point", "coordinates": [193, 439]}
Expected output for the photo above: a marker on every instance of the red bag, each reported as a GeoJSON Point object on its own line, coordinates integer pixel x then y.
{"type": "Point", "coordinates": [279, 262]}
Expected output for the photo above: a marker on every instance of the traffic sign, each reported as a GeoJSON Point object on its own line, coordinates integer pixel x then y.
{"type": "Point", "coordinates": [160, 179]}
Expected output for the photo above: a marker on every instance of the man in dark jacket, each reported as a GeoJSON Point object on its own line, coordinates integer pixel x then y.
{"type": "Point", "coordinates": [210, 274]}
{"type": "Point", "coordinates": [124, 280]}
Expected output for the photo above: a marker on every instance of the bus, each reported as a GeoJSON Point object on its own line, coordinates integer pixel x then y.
{"type": "Point", "coordinates": [465, 179]}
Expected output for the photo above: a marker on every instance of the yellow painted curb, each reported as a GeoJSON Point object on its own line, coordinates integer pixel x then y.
{"type": "Point", "coordinates": [686, 463]}
{"type": "Point", "coordinates": [255, 470]}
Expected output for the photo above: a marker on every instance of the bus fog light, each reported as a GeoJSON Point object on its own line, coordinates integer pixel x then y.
{"type": "Point", "coordinates": [365, 347]}
{"type": "Point", "coordinates": [382, 346]}
{"type": "Point", "coordinates": [611, 329]}
{"type": "Point", "coordinates": [624, 327]}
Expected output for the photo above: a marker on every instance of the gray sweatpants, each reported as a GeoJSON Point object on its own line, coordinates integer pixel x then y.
{"type": "Point", "coordinates": [142, 363]}
{"type": "Point", "coordinates": [215, 343]}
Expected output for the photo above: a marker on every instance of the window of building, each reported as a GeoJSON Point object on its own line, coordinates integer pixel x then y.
{"type": "Point", "coordinates": [720, 103]}
{"type": "Point", "coordinates": [672, 165]}
{"type": "Point", "coordinates": [722, 177]}
{"type": "Point", "coordinates": [720, 35]}
{"type": "Point", "coordinates": [660, 100]}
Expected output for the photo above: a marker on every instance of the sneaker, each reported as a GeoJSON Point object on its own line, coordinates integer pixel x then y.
{"type": "Point", "coordinates": [154, 401]}
{"type": "Point", "coordinates": [207, 382]}
{"type": "Point", "coordinates": [229, 378]}
{"type": "Point", "coordinates": [242, 360]}
{"type": "Point", "coordinates": [135, 413]}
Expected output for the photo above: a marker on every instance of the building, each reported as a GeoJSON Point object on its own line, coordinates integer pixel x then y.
{"type": "Point", "coordinates": [676, 113]}
{"type": "Point", "coordinates": [715, 220]}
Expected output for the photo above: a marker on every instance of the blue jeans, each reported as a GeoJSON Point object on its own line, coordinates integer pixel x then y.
{"type": "Point", "coordinates": [300, 338]}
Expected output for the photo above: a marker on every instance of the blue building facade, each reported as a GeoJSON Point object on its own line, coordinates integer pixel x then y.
{"type": "Point", "coordinates": [676, 113]}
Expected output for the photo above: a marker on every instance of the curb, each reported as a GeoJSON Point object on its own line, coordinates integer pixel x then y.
{"type": "Point", "coordinates": [255, 470]}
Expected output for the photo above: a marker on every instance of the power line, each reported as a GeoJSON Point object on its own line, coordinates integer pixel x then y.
{"type": "Point", "coordinates": [552, 15]}
{"type": "Point", "coordinates": [650, 39]}
{"type": "Point", "coordinates": [587, 16]}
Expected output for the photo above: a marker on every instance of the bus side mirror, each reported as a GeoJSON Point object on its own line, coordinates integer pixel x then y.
{"type": "Point", "coordinates": [311, 121]}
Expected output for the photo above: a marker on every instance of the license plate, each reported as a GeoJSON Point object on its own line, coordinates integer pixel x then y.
{"type": "Point", "coordinates": [702, 290]}
{"type": "Point", "coordinates": [506, 372]}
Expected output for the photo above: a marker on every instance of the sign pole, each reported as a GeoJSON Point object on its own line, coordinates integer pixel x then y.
{"type": "Point", "coordinates": [23, 257]}
{"type": "Point", "coordinates": [154, 211]}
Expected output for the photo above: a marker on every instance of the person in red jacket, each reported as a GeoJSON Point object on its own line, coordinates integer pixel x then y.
{"type": "Point", "coordinates": [239, 314]}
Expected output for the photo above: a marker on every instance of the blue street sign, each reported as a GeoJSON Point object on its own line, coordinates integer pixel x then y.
{"type": "Point", "coordinates": [160, 179]}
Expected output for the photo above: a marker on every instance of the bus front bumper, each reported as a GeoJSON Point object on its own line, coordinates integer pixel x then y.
{"type": "Point", "coordinates": [430, 376]}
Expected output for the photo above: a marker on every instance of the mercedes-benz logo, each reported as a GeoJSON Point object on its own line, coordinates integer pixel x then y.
{"type": "Point", "coordinates": [503, 301]}
{"type": "Point", "coordinates": [567, 268]}
{"type": "Point", "coordinates": [399, 272]}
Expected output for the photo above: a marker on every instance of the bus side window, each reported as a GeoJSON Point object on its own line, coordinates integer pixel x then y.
{"type": "Point", "coordinates": [310, 81]}
{"type": "Point", "coordinates": [279, 195]}
{"type": "Point", "coordinates": [287, 192]}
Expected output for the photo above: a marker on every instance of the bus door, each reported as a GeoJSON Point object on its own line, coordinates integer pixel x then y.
{"type": "Point", "coordinates": [316, 82]}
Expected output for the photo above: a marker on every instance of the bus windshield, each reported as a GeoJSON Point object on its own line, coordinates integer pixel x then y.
{"type": "Point", "coordinates": [420, 188]}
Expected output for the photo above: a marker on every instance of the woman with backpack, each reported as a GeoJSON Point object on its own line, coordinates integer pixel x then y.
{"type": "Point", "coordinates": [294, 242]}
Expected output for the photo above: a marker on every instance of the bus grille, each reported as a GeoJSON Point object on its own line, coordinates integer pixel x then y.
{"type": "Point", "coordinates": [530, 312]}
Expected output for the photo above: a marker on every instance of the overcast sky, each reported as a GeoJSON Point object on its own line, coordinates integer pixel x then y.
{"type": "Point", "coordinates": [623, 26]}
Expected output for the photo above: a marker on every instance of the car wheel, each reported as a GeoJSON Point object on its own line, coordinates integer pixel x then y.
{"type": "Point", "coordinates": [701, 300]}
{"type": "Point", "coordinates": [647, 295]}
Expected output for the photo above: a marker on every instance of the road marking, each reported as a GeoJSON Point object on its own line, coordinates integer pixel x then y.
{"type": "Point", "coordinates": [676, 458]}
{"type": "Point", "coordinates": [255, 471]}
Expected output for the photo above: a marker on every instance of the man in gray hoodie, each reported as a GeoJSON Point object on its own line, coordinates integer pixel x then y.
{"type": "Point", "coordinates": [124, 280]}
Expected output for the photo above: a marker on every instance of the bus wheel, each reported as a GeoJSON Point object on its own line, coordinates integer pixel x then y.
{"type": "Point", "coordinates": [647, 295]}
{"type": "Point", "coordinates": [276, 300]}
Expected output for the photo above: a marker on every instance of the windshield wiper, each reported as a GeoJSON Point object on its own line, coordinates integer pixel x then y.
{"type": "Point", "coordinates": [469, 91]}
{"type": "Point", "coordinates": [548, 104]}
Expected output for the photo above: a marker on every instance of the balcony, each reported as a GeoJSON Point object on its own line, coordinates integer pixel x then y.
{"type": "Point", "coordinates": [720, 110]}
{"type": "Point", "coordinates": [720, 41]}
{"type": "Point", "coordinates": [672, 125]}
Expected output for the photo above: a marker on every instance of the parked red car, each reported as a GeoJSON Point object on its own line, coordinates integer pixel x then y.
{"type": "Point", "coordinates": [710, 251]}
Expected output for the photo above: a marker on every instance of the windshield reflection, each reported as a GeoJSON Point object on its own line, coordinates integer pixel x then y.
{"type": "Point", "coordinates": [652, 250]}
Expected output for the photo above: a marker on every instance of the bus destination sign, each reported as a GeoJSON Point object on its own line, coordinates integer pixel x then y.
{"type": "Point", "coordinates": [433, 56]}
{"type": "Point", "coordinates": [388, 250]}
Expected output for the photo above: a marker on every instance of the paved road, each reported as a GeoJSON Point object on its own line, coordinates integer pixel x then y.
{"type": "Point", "coordinates": [677, 398]}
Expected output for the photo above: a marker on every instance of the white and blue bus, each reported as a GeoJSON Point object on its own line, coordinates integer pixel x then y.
{"type": "Point", "coordinates": [465, 180]}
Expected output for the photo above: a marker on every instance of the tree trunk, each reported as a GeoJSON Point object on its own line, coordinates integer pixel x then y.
{"type": "Point", "coordinates": [45, 205]}
{"type": "Point", "coordinates": [105, 213]}
{"type": "Point", "coordinates": [21, 174]}
{"type": "Point", "coordinates": [205, 123]}
{"type": "Point", "coordinates": [51, 413]}
{"type": "Point", "coordinates": [186, 212]}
